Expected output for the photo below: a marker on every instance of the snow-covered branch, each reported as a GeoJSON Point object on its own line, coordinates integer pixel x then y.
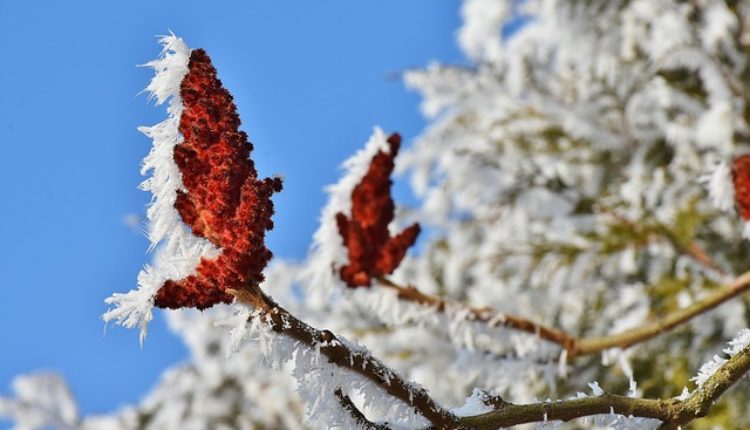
{"type": "Point", "coordinates": [341, 354]}
{"type": "Point", "coordinates": [672, 412]}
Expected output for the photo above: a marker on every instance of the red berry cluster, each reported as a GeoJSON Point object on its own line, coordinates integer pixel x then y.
{"type": "Point", "coordinates": [372, 251]}
{"type": "Point", "coordinates": [224, 202]}
{"type": "Point", "coordinates": [741, 179]}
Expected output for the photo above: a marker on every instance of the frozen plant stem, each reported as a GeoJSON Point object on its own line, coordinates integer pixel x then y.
{"type": "Point", "coordinates": [692, 249]}
{"type": "Point", "coordinates": [672, 412]}
{"type": "Point", "coordinates": [484, 315]}
{"type": "Point", "coordinates": [341, 355]}
{"type": "Point", "coordinates": [356, 414]}
{"type": "Point", "coordinates": [582, 346]}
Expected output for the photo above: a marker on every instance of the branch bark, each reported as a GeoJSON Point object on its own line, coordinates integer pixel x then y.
{"type": "Point", "coordinates": [360, 418]}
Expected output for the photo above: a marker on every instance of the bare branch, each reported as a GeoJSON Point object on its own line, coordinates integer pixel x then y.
{"type": "Point", "coordinates": [650, 330]}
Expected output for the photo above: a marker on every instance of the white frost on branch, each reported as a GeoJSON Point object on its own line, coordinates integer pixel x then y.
{"type": "Point", "coordinates": [476, 404]}
{"type": "Point", "coordinates": [179, 251]}
{"type": "Point", "coordinates": [317, 380]}
{"type": "Point", "coordinates": [720, 25]}
{"type": "Point", "coordinates": [740, 342]}
{"type": "Point", "coordinates": [596, 390]}
{"type": "Point", "coordinates": [549, 171]}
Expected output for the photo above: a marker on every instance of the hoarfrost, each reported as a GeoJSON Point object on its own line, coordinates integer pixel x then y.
{"type": "Point", "coordinates": [179, 250]}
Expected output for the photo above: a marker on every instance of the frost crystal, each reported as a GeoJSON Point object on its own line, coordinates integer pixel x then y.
{"type": "Point", "coordinates": [720, 187]}
{"type": "Point", "coordinates": [740, 342]}
{"type": "Point", "coordinates": [596, 389]}
{"type": "Point", "coordinates": [180, 250]}
{"type": "Point", "coordinates": [476, 404]}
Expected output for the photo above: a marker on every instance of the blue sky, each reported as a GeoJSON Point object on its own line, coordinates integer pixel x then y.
{"type": "Point", "coordinates": [310, 79]}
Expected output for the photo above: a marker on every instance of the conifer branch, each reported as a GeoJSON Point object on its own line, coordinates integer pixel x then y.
{"type": "Point", "coordinates": [692, 250]}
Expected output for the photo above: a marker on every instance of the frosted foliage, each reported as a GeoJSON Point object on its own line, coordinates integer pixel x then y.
{"type": "Point", "coordinates": [740, 342]}
{"type": "Point", "coordinates": [41, 401]}
{"type": "Point", "coordinates": [720, 187]}
{"type": "Point", "coordinates": [479, 34]}
{"type": "Point", "coordinates": [179, 251]}
{"type": "Point", "coordinates": [575, 148]}
{"type": "Point", "coordinates": [605, 130]}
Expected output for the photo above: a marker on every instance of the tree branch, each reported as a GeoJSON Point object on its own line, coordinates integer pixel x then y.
{"type": "Point", "coordinates": [340, 354]}
{"type": "Point", "coordinates": [567, 410]}
{"type": "Point", "coordinates": [360, 418]}
{"type": "Point", "coordinates": [672, 412]}
{"type": "Point", "coordinates": [692, 250]}
{"type": "Point", "coordinates": [581, 346]}
{"type": "Point", "coordinates": [486, 315]}
{"type": "Point", "coordinates": [650, 330]}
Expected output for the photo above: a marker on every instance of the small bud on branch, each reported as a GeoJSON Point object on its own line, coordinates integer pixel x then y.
{"type": "Point", "coordinates": [372, 251]}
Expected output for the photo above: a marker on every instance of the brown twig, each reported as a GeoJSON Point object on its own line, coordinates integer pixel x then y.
{"type": "Point", "coordinates": [692, 250]}
{"type": "Point", "coordinates": [360, 418]}
{"type": "Point", "coordinates": [672, 412]}
{"type": "Point", "coordinates": [484, 315]}
{"type": "Point", "coordinates": [582, 346]}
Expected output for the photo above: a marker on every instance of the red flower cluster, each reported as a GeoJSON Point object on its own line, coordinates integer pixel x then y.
{"type": "Point", "coordinates": [741, 179]}
{"type": "Point", "coordinates": [225, 201]}
{"type": "Point", "coordinates": [372, 251]}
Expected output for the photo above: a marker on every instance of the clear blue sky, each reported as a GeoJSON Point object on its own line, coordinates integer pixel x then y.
{"type": "Point", "coordinates": [310, 80]}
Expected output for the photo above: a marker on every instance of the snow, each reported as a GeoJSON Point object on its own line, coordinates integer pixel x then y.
{"type": "Point", "coordinates": [41, 400]}
{"type": "Point", "coordinates": [596, 389]}
{"type": "Point", "coordinates": [720, 187]}
{"type": "Point", "coordinates": [708, 369]}
{"type": "Point", "coordinates": [474, 405]}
